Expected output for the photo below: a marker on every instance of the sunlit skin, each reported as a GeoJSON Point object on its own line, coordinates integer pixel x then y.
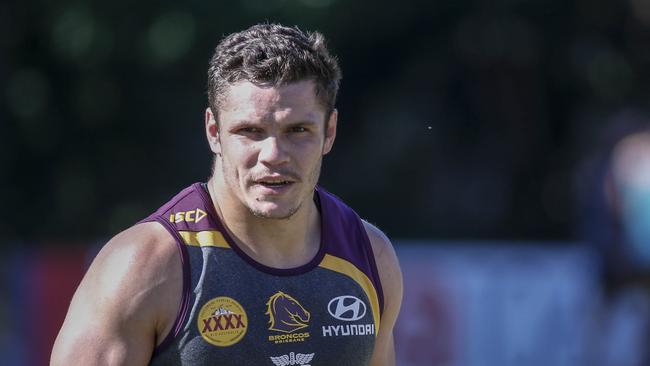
{"type": "Point", "coordinates": [129, 298]}
{"type": "Point", "coordinates": [269, 144]}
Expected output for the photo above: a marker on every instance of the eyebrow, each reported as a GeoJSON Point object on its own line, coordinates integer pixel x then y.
{"type": "Point", "coordinates": [303, 122]}
{"type": "Point", "coordinates": [243, 122]}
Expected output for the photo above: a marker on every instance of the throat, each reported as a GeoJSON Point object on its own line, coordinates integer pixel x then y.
{"type": "Point", "coordinates": [281, 244]}
{"type": "Point", "coordinates": [293, 247]}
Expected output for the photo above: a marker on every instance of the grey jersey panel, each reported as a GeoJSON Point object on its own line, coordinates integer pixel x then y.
{"type": "Point", "coordinates": [237, 312]}
{"type": "Point", "coordinates": [330, 341]}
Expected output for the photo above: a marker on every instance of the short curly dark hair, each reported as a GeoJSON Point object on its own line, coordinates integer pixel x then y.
{"type": "Point", "coordinates": [273, 54]}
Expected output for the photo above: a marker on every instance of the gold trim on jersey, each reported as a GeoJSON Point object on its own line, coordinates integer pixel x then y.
{"type": "Point", "coordinates": [207, 238]}
{"type": "Point", "coordinates": [342, 266]}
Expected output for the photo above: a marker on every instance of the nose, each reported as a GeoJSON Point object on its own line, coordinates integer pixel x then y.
{"type": "Point", "coordinates": [272, 152]}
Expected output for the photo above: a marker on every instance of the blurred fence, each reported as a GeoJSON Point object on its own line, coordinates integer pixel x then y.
{"type": "Point", "coordinates": [497, 303]}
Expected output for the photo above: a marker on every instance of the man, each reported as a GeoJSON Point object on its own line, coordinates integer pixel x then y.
{"type": "Point", "coordinates": [258, 266]}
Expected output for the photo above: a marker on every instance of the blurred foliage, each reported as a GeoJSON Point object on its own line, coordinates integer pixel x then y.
{"type": "Point", "coordinates": [457, 118]}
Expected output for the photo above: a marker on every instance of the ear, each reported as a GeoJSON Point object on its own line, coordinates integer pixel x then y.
{"type": "Point", "coordinates": [212, 131]}
{"type": "Point", "coordinates": [330, 132]}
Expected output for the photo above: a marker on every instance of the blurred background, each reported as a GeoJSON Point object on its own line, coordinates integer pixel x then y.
{"type": "Point", "coordinates": [502, 145]}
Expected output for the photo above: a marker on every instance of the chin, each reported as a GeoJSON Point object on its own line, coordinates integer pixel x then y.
{"type": "Point", "coordinates": [273, 213]}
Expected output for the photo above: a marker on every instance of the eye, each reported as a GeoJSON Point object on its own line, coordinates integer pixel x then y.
{"type": "Point", "coordinates": [298, 129]}
{"type": "Point", "coordinates": [254, 133]}
{"type": "Point", "coordinates": [249, 130]}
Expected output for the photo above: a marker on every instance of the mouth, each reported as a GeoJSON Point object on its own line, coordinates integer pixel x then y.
{"type": "Point", "coordinates": [274, 185]}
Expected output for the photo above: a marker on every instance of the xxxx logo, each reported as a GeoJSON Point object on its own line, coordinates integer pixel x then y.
{"type": "Point", "coordinates": [222, 321]}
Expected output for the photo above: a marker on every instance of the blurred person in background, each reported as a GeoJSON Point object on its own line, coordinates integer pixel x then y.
{"type": "Point", "coordinates": [628, 192]}
{"type": "Point", "coordinates": [259, 265]}
{"type": "Point", "coordinates": [616, 207]}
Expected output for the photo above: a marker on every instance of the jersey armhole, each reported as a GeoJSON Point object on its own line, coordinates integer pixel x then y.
{"type": "Point", "coordinates": [373, 264]}
{"type": "Point", "coordinates": [182, 312]}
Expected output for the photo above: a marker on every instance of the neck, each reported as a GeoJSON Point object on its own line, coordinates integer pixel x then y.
{"type": "Point", "coordinates": [277, 243]}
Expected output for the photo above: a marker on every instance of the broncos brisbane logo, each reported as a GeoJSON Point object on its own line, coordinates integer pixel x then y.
{"type": "Point", "coordinates": [286, 314]}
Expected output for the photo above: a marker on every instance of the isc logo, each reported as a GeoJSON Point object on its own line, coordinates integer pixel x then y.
{"type": "Point", "coordinates": [195, 215]}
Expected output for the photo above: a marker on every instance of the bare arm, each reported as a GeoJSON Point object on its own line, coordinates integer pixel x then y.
{"type": "Point", "coordinates": [126, 302]}
{"type": "Point", "coordinates": [391, 281]}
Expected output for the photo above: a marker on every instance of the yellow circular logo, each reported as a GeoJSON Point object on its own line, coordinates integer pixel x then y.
{"type": "Point", "coordinates": [222, 321]}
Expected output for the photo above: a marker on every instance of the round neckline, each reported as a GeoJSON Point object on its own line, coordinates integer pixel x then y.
{"type": "Point", "coordinates": [293, 271]}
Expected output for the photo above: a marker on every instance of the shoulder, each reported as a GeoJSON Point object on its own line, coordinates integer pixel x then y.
{"type": "Point", "coordinates": [388, 267]}
{"type": "Point", "coordinates": [147, 248]}
{"type": "Point", "coordinates": [382, 247]}
{"type": "Point", "coordinates": [127, 299]}
{"type": "Point", "coordinates": [135, 269]}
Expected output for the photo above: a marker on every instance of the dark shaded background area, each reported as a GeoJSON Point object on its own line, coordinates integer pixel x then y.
{"type": "Point", "coordinates": [458, 119]}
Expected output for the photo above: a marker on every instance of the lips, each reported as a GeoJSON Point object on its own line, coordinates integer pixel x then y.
{"type": "Point", "coordinates": [275, 183]}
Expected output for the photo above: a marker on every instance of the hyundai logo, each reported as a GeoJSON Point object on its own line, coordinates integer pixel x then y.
{"type": "Point", "coordinates": [347, 308]}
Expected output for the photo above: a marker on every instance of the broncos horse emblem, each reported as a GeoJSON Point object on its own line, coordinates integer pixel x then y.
{"type": "Point", "coordinates": [285, 313]}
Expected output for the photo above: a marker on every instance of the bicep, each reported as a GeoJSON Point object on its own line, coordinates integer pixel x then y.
{"type": "Point", "coordinates": [384, 353]}
{"type": "Point", "coordinates": [111, 319]}
{"type": "Point", "coordinates": [95, 334]}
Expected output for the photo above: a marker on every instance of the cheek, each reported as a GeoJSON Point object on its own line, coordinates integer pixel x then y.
{"type": "Point", "coordinates": [311, 149]}
{"type": "Point", "coordinates": [309, 164]}
{"type": "Point", "coordinates": [239, 157]}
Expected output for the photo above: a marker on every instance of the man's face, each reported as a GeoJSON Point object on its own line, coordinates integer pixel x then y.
{"type": "Point", "coordinates": [270, 142]}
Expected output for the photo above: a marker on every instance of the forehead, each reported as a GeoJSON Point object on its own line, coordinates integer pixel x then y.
{"type": "Point", "coordinates": [245, 100]}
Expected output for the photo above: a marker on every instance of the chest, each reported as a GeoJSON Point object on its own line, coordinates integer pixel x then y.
{"type": "Point", "coordinates": [241, 315]}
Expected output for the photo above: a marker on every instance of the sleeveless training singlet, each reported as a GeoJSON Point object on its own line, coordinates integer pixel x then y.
{"type": "Point", "coordinates": [235, 311]}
